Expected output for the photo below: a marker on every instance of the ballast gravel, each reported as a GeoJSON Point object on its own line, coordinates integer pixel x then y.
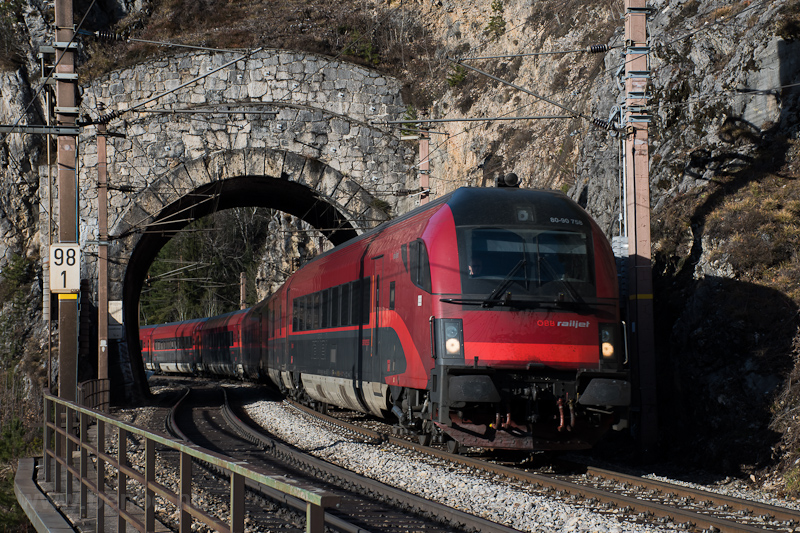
{"type": "Point", "coordinates": [511, 504]}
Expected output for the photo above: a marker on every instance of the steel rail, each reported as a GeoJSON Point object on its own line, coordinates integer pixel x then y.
{"type": "Point", "coordinates": [619, 500]}
{"type": "Point", "coordinates": [427, 506]}
{"type": "Point", "coordinates": [765, 509]}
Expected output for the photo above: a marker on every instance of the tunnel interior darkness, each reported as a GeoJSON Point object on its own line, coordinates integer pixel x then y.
{"type": "Point", "coordinates": [247, 191]}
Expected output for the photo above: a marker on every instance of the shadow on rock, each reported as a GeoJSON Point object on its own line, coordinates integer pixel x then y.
{"type": "Point", "coordinates": [727, 355]}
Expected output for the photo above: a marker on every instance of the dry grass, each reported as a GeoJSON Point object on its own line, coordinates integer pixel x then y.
{"type": "Point", "coordinates": [387, 40]}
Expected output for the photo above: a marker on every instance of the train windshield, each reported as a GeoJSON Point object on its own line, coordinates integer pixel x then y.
{"type": "Point", "coordinates": [527, 262]}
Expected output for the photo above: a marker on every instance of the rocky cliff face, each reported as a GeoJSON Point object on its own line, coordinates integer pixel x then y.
{"type": "Point", "coordinates": [724, 167]}
{"type": "Point", "coordinates": [724, 160]}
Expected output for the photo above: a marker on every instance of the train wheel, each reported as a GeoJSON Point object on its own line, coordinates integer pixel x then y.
{"type": "Point", "coordinates": [424, 439]}
{"type": "Point", "coordinates": [453, 446]}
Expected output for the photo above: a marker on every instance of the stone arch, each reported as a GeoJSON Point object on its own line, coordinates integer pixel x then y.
{"type": "Point", "coordinates": [311, 124]}
{"type": "Point", "coordinates": [312, 191]}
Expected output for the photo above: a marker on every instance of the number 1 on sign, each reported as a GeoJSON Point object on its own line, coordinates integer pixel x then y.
{"type": "Point", "coordinates": [65, 268]}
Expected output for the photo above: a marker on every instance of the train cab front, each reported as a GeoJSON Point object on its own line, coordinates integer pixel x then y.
{"type": "Point", "coordinates": [527, 343]}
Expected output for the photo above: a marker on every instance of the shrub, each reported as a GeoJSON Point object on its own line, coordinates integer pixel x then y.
{"type": "Point", "coordinates": [497, 24]}
{"type": "Point", "coordinates": [457, 75]}
{"type": "Point", "coordinates": [10, 47]}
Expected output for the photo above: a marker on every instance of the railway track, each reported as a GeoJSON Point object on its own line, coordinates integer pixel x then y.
{"type": "Point", "coordinates": [643, 500]}
{"type": "Point", "coordinates": [204, 418]}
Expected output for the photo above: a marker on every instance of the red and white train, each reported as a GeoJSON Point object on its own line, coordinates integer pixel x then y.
{"type": "Point", "coordinates": [489, 317]}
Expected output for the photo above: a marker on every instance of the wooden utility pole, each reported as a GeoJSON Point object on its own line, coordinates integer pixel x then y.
{"type": "Point", "coordinates": [67, 157]}
{"type": "Point", "coordinates": [637, 187]}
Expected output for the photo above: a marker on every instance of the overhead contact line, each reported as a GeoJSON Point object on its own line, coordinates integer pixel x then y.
{"type": "Point", "coordinates": [573, 113]}
{"type": "Point", "coordinates": [105, 119]}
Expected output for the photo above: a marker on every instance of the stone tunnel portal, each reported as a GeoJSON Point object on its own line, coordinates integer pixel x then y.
{"type": "Point", "coordinates": [260, 191]}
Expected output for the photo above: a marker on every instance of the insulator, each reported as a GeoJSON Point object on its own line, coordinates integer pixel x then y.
{"type": "Point", "coordinates": [105, 119]}
{"type": "Point", "coordinates": [597, 48]}
{"type": "Point", "coordinates": [600, 123]}
{"type": "Point", "coordinates": [108, 35]}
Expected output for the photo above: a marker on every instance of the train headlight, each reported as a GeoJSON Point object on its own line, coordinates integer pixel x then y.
{"type": "Point", "coordinates": [450, 335]}
{"type": "Point", "coordinates": [608, 346]}
{"type": "Point", "coordinates": [452, 346]}
{"type": "Point", "coordinates": [606, 343]}
{"type": "Point", "coordinates": [608, 350]}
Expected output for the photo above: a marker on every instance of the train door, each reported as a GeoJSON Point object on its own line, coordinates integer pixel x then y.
{"type": "Point", "coordinates": [374, 365]}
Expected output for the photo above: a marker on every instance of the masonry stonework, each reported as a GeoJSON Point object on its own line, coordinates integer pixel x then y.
{"type": "Point", "coordinates": [285, 115]}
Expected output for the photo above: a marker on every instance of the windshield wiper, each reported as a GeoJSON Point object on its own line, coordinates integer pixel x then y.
{"type": "Point", "coordinates": [576, 298]}
{"type": "Point", "coordinates": [492, 299]}
{"type": "Point", "coordinates": [462, 301]}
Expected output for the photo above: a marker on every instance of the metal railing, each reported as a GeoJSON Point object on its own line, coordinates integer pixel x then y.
{"type": "Point", "coordinates": [95, 394]}
{"type": "Point", "coordinates": [64, 438]}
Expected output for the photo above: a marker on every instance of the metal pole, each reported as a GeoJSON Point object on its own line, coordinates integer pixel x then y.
{"type": "Point", "coordinates": [424, 167]}
{"type": "Point", "coordinates": [242, 290]}
{"type": "Point", "coordinates": [67, 195]}
{"type": "Point", "coordinates": [638, 219]}
{"type": "Point", "coordinates": [102, 255]}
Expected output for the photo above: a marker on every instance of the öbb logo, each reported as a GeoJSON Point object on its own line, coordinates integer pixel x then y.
{"type": "Point", "coordinates": [563, 323]}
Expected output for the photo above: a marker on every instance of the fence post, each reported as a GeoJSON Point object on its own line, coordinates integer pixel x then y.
{"type": "Point", "coordinates": [185, 493]}
{"type": "Point", "coordinates": [315, 518]}
{"type": "Point", "coordinates": [122, 479]}
{"type": "Point", "coordinates": [48, 440]}
{"type": "Point", "coordinates": [101, 476]}
{"type": "Point", "coordinates": [149, 480]}
{"type": "Point", "coordinates": [59, 425]}
{"type": "Point", "coordinates": [68, 451]}
{"type": "Point", "coordinates": [237, 503]}
{"type": "Point", "coordinates": [84, 498]}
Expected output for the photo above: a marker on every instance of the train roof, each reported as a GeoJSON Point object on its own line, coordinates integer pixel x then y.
{"type": "Point", "coordinates": [484, 206]}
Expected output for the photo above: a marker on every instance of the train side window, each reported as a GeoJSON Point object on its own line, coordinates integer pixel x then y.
{"type": "Point", "coordinates": [346, 290]}
{"type": "Point", "coordinates": [335, 306]}
{"type": "Point", "coordinates": [404, 254]}
{"type": "Point", "coordinates": [295, 315]}
{"type": "Point", "coordinates": [365, 298]}
{"type": "Point", "coordinates": [355, 302]}
{"type": "Point", "coordinates": [420, 268]}
{"type": "Point", "coordinates": [299, 313]}
{"type": "Point", "coordinates": [391, 295]}
{"type": "Point", "coordinates": [323, 309]}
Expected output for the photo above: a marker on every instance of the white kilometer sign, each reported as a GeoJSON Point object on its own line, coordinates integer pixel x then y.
{"type": "Point", "coordinates": [65, 268]}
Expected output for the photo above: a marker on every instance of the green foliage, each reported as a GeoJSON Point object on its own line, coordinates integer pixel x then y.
{"type": "Point", "coordinates": [197, 272]}
{"type": "Point", "coordinates": [15, 442]}
{"type": "Point", "coordinates": [361, 46]}
{"type": "Point", "coordinates": [10, 48]}
{"type": "Point", "coordinates": [497, 24]}
{"type": "Point", "coordinates": [15, 279]}
{"type": "Point", "coordinates": [457, 75]}
{"type": "Point", "coordinates": [381, 205]}
{"type": "Point", "coordinates": [410, 114]}
{"type": "Point", "coordinates": [792, 480]}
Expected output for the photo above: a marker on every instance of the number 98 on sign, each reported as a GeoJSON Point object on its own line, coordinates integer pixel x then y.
{"type": "Point", "coordinates": [65, 268]}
